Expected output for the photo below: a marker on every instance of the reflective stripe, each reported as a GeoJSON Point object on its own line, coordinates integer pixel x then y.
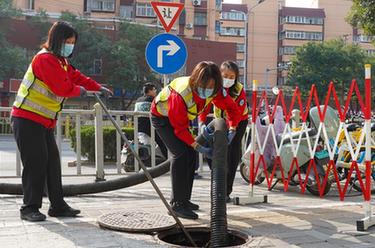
{"type": "Point", "coordinates": [27, 82]}
{"type": "Point", "coordinates": [27, 102]}
{"type": "Point", "coordinates": [46, 93]}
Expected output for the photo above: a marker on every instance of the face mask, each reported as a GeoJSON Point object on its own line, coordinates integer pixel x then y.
{"type": "Point", "coordinates": [205, 93]}
{"type": "Point", "coordinates": [227, 83]}
{"type": "Point", "coordinates": [66, 50]}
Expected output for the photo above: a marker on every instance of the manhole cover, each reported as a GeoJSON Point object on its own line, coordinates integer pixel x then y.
{"type": "Point", "coordinates": [136, 221]}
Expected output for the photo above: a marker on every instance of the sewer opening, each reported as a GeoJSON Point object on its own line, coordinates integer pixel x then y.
{"type": "Point", "coordinates": [201, 237]}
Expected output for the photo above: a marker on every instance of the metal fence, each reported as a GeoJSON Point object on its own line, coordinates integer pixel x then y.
{"type": "Point", "coordinates": [77, 118]}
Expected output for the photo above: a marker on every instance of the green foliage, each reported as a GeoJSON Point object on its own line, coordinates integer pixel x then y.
{"type": "Point", "coordinates": [7, 9]}
{"type": "Point", "coordinates": [91, 44]}
{"type": "Point", "coordinates": [362, 15]}
{"type": "Point", "coordinates": [88, 141]}
{"type": "Point", "coordinates": [14, 61]}
{"type": "Point", "coordinates": [128, 64]}
{"type": "Point", "coordinates": [321, 63]}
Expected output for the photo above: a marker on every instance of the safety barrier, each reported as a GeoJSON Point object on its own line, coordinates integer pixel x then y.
{"type": "Point", "coordinates": [89, 117]}
{"type": "Point", "coordinates": [307, 140]}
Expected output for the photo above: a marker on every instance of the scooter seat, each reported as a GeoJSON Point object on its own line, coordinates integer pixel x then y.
{"type": "Point", "coordinates": [295, 135]}
{"type": "Point", "coordinates": [352, 127]}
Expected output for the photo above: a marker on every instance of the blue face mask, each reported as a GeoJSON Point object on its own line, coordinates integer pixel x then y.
{"type": "Point", "coordinates": [66, 50]}
{"type": "Point", "coordinates": [205, 93]}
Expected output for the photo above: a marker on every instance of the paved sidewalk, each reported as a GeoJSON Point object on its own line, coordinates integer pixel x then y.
{"type": "Point", "coordinates": [290, 219]}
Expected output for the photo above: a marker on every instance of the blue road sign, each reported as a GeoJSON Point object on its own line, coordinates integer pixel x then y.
{"type": "Point", "coordinates": [166, 53]}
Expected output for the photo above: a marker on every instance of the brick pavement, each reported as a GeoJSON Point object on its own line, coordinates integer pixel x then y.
{"type": "Point", "coordinates": [290, 219]}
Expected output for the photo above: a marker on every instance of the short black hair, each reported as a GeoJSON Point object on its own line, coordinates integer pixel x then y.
{"type": "Point", "coordinates": [147, 87]}
{"type": "Point", "coordinates": [57, 35]}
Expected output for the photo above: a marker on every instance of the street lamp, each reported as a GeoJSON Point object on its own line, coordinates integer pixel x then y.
{"type": "Point", "coordinates": [280, 66]}
{"type": "Point", "coordinates": [246, 16]}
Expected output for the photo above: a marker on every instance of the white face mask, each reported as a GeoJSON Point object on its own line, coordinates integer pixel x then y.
{"type": "Point", "coordinates": [227, 83]}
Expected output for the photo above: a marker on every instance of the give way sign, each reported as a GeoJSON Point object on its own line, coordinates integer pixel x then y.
{"type": "Point", "coordinates": [167, 13]}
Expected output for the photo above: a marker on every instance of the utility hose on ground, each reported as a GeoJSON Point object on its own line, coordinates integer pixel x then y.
{"type": "Point", "coordinates": [96, 187]}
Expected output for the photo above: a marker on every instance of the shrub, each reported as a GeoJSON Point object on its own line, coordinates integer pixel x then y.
{"type": "Point", "coordinates": [88, 141]}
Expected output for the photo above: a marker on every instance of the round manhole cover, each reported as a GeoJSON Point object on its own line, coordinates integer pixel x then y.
{"type": "Point", "coordinates": [136, 221]}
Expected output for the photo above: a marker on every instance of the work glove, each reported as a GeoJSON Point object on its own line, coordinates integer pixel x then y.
{"type": "Point", "coordinates": [231, 134]}
{"type": "Point", "coordinates": [204, 150]}
{"type": "Point", "coordinates": [105, 91]}
{"type": "Point", "coordinates": [207, 133]}
{"type": "Point", "coordinates": [82, 92]}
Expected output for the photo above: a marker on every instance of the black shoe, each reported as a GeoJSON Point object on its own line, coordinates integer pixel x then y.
{"type": "Point", "coordinates": [191, 205]}
{"type": "Point", "coordinates": [33, 216]}
{"type": "Point", "coordinates": [181, 210]}
{"type": "Point", "coordinates": [63, 212]}
{"type": "Point", "coordinates": [228, 199]}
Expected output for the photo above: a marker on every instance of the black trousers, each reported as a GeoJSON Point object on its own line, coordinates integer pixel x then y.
{"type": "Point", "coordinates": [41, 164]}
{"type": "Point", "coordinates": [182, 160]}
{"type": "Point", "coordinates": [234, 154]}
{"type": "Point", "coordinates": [145, 127]}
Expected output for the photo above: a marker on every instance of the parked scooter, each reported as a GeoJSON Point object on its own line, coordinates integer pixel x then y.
{"type": "Point", "coordinates": [289, 143]}
{"type": "Point", "coordinates": [144, 152]}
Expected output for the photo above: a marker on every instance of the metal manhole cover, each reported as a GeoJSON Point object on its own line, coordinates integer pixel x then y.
{"type": "Point", "coordinates": [138, 221]}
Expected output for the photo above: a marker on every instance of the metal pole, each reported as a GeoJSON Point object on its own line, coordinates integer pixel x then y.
{"type": "Point", "coordinates": [78, 144]}
{"type": "Point", "coordinates": [147, 174]}
{"type": "Point", "coordinates": [99, 157]}
{"type": "Point", "coordinates": [118, 148]}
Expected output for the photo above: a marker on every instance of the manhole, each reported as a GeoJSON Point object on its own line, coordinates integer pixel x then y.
{"type": "Point", "coordinates": [138, 221]}
{"type": "Point", "coordinates": [201, 236]}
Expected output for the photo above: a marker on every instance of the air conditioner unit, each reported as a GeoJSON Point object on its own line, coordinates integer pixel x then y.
{"type": "Point", "coordinates": [197, 2]}
{"type": "Point", "coordinates": [189, 25]}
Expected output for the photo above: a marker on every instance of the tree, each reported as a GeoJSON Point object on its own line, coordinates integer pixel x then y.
{"type": "Point", "coordinates": [7, 10]}
{"type": "Point", "coordinates": [321, 63]}
{"type": "Point", "coordinates": [127, 66]}
{"type": "Point", "coordinates": [14, 62]}
{"type": "Point", "coordinates": [362, 15]}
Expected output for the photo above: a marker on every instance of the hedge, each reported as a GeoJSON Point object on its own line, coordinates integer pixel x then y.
{"type": "Point", "coordinates": [109, 141]}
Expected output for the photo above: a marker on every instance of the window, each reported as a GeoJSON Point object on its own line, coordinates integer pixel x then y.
{"type": "Point", "coordinates": [103, 5]}
{"type": "Point", "coordinates": [200, 19]}
{"type": "Point", "coordinates": [217, 27]}
{"type": "Point", "coordinates": [287, 50]}
{"type": "Point", "coordinates": [302, 20]}
{"type": "Point", "coordinates": [301, 35]}
{"type": "Point", "coordinates": [240, 47]}
{"type": "Point", "coordinates": [241, 63]}
{"type": "Point", "coordinates": [364, 38]}
{"type": "Point", "coordinates": [145, 9]}
{"type": "Point", "coordinates": [97, 67]}
{"type": "Point", "coordinates": [231, 31]}
{"type": "Point", "coordinates": [218, 4]}
{"type": "Point", "coordinates": [126, 12]}
{"type": "Point", "coordinates": [370, 52]}
{"type": "Point", "coordinates": [236, 16]}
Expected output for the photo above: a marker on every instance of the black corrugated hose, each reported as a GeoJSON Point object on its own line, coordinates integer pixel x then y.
{"type": "Point", "coordinates": [219, 225]}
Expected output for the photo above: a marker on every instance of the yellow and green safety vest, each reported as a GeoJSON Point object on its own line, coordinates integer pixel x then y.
{"type": "Point", "coordinates": [182, 87]}
{"type": "Point", "coordinates": [35, 96]}
{"type": "Point", "coordinates": [218, 113]}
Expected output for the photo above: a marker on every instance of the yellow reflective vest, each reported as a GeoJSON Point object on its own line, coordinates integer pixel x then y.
{"type": "Point", "coordinates": [182, 87]}
{"type": "Point", "coordinates": [35, 96]}
{"type": "Point", "coordinates": [218, 113]}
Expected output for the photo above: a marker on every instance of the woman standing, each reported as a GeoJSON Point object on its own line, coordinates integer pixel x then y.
{"type": "Point", "coordinates": [183, 100]}
{"type": "Point", "coordinates": [229, 72]}
{"type": "Point", "coordinates": [47, 82]}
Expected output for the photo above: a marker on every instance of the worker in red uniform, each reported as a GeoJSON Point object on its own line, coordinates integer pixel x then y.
{"type": "Point", "coordinates": [47, 82]}
{"type": "Point", "coordinates": [229, 72]}
{"type": "Point", "coordinates": [183, 100]}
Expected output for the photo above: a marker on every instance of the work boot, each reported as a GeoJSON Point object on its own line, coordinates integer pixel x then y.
{"type": "Point", "coordinates": [32, 216]}
{"type": "Point", "coordinates": [228, 199]}
{"type": "Point", "coordinates": [66, 211]}
{"type": "Point", "coordinates": [191, 205]}
{"type": "Point", "coordinates": [181, 210]}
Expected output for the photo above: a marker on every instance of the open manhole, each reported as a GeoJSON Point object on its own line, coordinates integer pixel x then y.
{"type": "Point", "coordinates": [201, 236]}
{"type": "Point", "coordinates": [139, 221]}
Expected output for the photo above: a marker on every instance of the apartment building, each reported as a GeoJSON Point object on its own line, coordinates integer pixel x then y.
{"type": "Point", "coordinates": [276, 30]}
